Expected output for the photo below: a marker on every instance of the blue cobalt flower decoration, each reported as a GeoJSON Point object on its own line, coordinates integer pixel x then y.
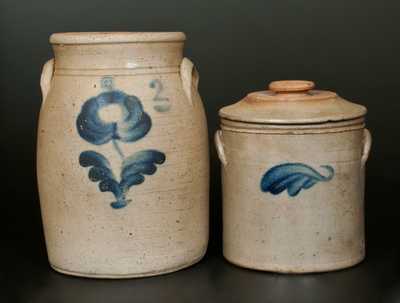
{"type": "Point", "coordinates": [134, 123]}
{"type": "Point", "coordinates": [131, 126]}
{"type": "Point", "coordinates": [294, 177]}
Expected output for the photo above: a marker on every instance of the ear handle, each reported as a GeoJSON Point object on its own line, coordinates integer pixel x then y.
{"type": "Point", "coordinates": [220, 147]}
{"type": "Point", "coordinates": [46, 78]}
{"type": "Point", "coordinates": [190, 79]}
{"type": "Point", "coordinates": [366, 147]}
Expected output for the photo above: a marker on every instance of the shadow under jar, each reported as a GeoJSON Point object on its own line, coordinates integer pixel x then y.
{"type": "Point", "coordinates": [122, 156]}
{"type": "Point", "coordinates": [293, 163]}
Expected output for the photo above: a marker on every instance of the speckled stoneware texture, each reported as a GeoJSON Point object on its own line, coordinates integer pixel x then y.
{"type": "Point", "coordinates": [122, 159]}
{"type": "Point", "coordinates": [293, 163]}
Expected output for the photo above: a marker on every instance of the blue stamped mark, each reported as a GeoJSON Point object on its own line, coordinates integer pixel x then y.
{"type": "Point", "coordinates": [107, 83]}
{"type": "Point", "coordinates": [293, 177]}
{"type": "Point", "coordinates": [162, 103]}
{"type": "Point", "coordinates": [132, 124]}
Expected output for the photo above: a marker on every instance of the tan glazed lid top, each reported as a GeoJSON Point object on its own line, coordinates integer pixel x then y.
{"type": "Point", "coordinates": [292, 102]}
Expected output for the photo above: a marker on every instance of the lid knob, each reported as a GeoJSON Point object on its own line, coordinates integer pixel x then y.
{"type": "Point", "coordinates": [291, 86]}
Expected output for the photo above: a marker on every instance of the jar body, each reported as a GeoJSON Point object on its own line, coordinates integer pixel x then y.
{"type": "Point", "coordinates": [130, 199]}
{"type": "Point", "coordinates": [293, 202]}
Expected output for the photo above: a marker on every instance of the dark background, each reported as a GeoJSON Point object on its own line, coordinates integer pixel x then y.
{"type": "Point", "coordinates": [351, 47]}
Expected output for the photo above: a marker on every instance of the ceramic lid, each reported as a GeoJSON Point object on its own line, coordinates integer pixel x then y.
{"type": "Point", "coordinates": [292, 102]}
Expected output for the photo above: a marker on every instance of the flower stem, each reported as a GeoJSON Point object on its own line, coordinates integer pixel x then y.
{"type": "Point", "coordinates": [118, 149]}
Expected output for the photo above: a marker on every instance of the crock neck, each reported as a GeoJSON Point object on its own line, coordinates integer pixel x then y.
{"type": "Point", "coordinates": [117, 50]}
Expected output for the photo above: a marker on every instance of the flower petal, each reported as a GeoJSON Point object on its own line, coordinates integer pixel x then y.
{"type": "Point", "coordinates": [137, 123]}
{"type": "Point", "coordinates": [91, 127]}
{"type": "Point", "coordinates": [134, 125]}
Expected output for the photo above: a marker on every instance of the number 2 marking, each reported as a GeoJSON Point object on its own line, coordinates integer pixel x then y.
{"type": "Point", "coordinates": [163, 103]}
{"type": "Point", "coordinates": [158, 86]}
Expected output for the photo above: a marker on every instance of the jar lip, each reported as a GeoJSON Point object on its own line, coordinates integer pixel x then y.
{"type": "Point", "coordinates": [309, 123]}
{"type": "Point", "coordinates": [299, 128]}
{"type": "Point", "coordinates": [115, 37]}
{"type": "Point", "coordinates": [315, 121]}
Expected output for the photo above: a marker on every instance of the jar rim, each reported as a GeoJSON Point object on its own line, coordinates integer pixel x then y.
{"type": "Point", "coordinates": [293, 129]}
{"type": "Point", "coordinates": [115, 37]}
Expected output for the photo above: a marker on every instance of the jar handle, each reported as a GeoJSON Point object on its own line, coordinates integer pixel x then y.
{"type": "Point", "coordinates": [366, 146]}
{"type": "Point", "coordinates": [45, 79]}
{"type": "Point", "coordinates": [220, 147]}
{"type": "Point", "coordinates": [190, 79]}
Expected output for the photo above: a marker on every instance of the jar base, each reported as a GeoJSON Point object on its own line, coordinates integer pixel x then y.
{"type": "Point", "coordinates": [128, 276]}
{"type": "Point", "coordinates": [276, 268]}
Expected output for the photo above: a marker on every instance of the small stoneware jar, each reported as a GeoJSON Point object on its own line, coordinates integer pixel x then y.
{"type": "Point", "coordinates": [293, 163]}
{"type": "Point", "coordinates": [122, 155]}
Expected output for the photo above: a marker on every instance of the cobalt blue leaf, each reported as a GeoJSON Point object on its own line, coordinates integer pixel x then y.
{"type": "Point", "coordinates": [110, 185]}
{"type": "Point", "coordinates": [295, 186]}
{"type": "Point", "coordinates": [114, 187]}
{"type": "Point", "coordinates": [100, 171]}
{"type": "Point", "coordinates": [293, 177]}
{"type": "Point", "coordinates": [139, 164]}
{"type": "Point", "coordinates": [119, 203]}
{"type": "Point", "coordinates": [100, 166]}
{"type": "Point", "coordinates": [281, 185]}
{"type": "Point", "coordinates": [130, 180]}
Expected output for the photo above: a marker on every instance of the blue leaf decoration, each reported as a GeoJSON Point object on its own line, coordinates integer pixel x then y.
{"type": "Point", "coordinates": [139, 164]}
{"type": "Point", "coordinates": [100, 171]}
{"type": "Point", "coordinates": [293, 177]}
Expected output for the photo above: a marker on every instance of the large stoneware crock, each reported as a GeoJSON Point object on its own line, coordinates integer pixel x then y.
{"type": "Point", "coordinates": [122, 155]}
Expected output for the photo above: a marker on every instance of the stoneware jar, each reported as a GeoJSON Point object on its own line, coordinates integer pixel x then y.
{"type": "Point", "coordinates": [122, 157]}
{"type": "Point", "coordinates": [293, 179]}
